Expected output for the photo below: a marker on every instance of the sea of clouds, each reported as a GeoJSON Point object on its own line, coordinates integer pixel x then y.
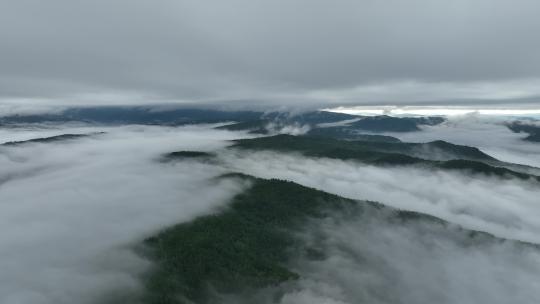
{"type": "Point", "coordinates": [72, 211]}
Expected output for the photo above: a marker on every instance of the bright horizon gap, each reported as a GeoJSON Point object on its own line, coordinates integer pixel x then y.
{"type": "Point", "coordinates": [431, 110]}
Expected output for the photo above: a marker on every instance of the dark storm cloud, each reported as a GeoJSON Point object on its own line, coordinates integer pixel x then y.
{"type": "Point", "coordinates": [153, 51]}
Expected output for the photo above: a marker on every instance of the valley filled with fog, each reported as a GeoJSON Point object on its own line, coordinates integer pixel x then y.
{"type": "Point", "coordinates": [79, 201]}
{"type": "Point", "coordinates": [71, 211]}
{"type": "Point", "coordinates": [485, 132]}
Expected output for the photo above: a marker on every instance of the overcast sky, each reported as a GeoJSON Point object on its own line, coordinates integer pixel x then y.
{"type": "Point", "coordinates": [278, 51]}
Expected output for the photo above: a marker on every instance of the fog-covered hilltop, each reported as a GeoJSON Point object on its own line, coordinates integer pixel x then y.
{"type": "Point", "coordinates": [266, 245]}
{"type": "Point", "coordinates": [532, 129]}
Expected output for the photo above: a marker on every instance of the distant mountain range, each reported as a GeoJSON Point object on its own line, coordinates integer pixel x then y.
{"type": "Point", "coordinates": [351, 126]}
{"type": "Point", "coordinates": [255, 122]}
{"type": "Point", "coordinates": [134, 115]}
{"type": "Point", "coordinates": [50, 139]}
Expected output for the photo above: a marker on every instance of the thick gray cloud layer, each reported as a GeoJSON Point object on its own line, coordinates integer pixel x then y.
{"type": "Point", "coordinates": [343, 51]}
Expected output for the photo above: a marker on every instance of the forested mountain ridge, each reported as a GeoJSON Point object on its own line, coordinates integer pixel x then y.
{"type": "Point", "coordinates": [320, 123]}
{"type": "Point", "coordinates": [50, 139]}
{"type": "Point", "coordinates": [436, 154]}
{"type": "Point", "coordinates": [249, 245]}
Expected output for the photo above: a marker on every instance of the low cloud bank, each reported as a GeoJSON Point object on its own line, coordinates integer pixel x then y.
{"type": "Point", "coordinates": [370, 260]}
{"type": "Point", "coordinates": [70, 212]}
{"type": "Point", "coordinates": [506, 208]}
{"type": "Point", "coordinates": [292, 128]}
{"type": "Point", "coordinates": [489, 134]}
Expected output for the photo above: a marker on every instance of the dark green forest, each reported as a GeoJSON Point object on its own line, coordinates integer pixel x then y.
{"type": "Point", "coordinates": [248, 245]}
{"type": "Point", "coordinates": [244, 246]}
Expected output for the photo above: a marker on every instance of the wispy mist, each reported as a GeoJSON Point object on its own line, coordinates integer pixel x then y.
{"type": "Point", "coordinates": [507, 208]}
{"type": "Point", "coordinates": [371, 260]}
